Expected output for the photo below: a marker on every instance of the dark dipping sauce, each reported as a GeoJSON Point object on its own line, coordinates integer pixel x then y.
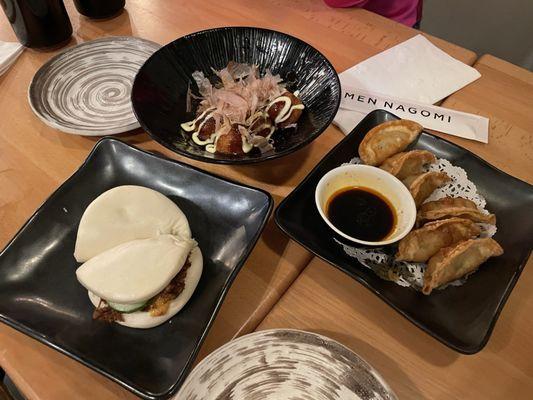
{"type": "Point", "coordinates": [361, 213]}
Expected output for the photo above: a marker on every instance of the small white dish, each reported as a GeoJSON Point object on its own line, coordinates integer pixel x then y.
{"type": "Point", "coordinates": [365, 176]}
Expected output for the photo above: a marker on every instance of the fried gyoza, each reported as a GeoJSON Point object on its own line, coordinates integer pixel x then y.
{"type": "Point", "coordinates": [421, 186]}
{"type": "Point", "coordinates": [420, 244]}
{"type": "Point", "coordinates": [387, 139]}
{"type": "Point", "coordinates": [408, 163]}
{"type": "Point", "coordinates": [448, 207]}
{"type": "Point", "coordinates": [448, 202]}
{"type": "Point", "coordinates": [454, 262]}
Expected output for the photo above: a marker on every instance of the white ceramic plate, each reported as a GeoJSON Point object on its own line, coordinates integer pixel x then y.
{"type": "Point", "coordinates": [86, 89]}
{"type": "Point", "coordinates": [284, 364]}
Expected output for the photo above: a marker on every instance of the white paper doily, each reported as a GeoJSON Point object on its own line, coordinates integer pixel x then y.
{"type": "Point", "coordinates": [409, 274]}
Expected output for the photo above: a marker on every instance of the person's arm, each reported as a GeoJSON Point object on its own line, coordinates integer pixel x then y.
{"type": "Point", "coordinates": [346, 3]}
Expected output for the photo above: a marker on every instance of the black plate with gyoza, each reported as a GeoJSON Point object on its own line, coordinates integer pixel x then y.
{"type": "Point", "coordinates": [461, 317]}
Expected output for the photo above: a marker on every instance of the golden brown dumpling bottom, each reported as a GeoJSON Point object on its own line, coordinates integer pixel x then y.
{"type": "Point", "coordinates": [420, 244]}
{"type": "Point", "coordinates": [454, 262]}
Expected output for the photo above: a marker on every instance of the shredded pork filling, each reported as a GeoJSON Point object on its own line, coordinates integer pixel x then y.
{"type": "Point", "coordinates": [105, 313]}
{"type": "Point", "coordinates": [156, 306]}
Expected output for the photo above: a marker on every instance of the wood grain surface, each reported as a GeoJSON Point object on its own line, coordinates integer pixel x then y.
{"type": "Point", "coordinates": [35, 159]}
{"type": "Point", "coordinates": [326, 301]}
{"type": "Point", "coordinates": [504, 94]}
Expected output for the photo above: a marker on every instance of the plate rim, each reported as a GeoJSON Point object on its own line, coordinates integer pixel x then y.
{"type": "Point", "coordinates": [82, 132]}
{"type": "Point", "coordinates": [467, 350]}
{"type": "Point", "coordinates": [325, 338]}
{"type": "Point", "coordinates": [238, 161]}
{"type": "Point", "coordinates": [68, 351]}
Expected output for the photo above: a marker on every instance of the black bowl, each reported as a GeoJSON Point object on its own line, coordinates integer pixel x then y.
{"type": "Point", "coordinates": [160, 87]}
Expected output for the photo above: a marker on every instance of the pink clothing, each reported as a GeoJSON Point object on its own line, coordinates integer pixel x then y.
{"type": "Point", "coordinates": [407, 12]}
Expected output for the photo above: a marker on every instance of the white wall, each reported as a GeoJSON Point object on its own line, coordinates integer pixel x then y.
{"type": "Point", "coordinates": [503, 28]}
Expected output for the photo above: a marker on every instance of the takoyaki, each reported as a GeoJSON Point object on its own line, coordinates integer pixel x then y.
{"type": "Point", "coordinates": [285, 110]}
{"type": "Point", "coordinates": [242, 111]}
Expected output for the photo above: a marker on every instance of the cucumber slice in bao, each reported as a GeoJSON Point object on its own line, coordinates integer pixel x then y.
{"type": "Point", "coordinates": [126, 308]}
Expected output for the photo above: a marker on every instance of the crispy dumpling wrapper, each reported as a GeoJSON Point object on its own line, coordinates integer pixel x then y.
{"type": "Point", "coordinates": [420, 244]}
{"type": "Point", "coordinates": [387, 139]}
{"type": "Point", "coordinates": [449, 207]}
{"type": "Point", "coordinates": [408, 163]}
{"type": "Point", "coordinates": [421, 186]}
{"type": "Point", "coordinates": [448, 202]}
{"type": "Point", "coordinates": [454, 262]}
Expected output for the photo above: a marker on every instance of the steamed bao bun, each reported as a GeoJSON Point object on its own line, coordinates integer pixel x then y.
{"type": "Point", "coordinates": [138, 270]}
{"type": "Point", "coordinates": [126, 213]}
{"type": "Point", "coordinates": [134, 241]}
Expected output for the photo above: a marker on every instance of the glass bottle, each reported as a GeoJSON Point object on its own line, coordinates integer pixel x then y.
{"type": "Point", "coordinates": [99, 8]}
{"type": "Point", "coordinates": [38, 23]}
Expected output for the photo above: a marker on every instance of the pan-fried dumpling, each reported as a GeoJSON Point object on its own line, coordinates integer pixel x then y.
{"type": "Point", "coordinates": [387, 139]}
{"type": "Point", "coordinates": [448, 202]}
{"type": "Point", "coordinates": [421, 186]}
{"type": "Point", "coordinates": [408, 163]}
{"type": "Point", "coordinates": [420, 244]}
{"type": "Point", "coordinates": [452, 263]}
{"type": "Point", "coordinates": [448, 207]}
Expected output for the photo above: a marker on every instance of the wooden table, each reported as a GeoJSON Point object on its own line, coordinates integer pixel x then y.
{"type": "Point", "coordinates": [326, 301]}
{"type": "Point", "coordinates": [504, 93]}
{"type": "Point", "coordinates": [36, 159]}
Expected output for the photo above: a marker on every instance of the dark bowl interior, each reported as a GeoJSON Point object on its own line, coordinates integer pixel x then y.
{"type": "Point", "coordinates": [160, 87]}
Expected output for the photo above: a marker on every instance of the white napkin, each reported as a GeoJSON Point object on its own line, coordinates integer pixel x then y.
{"type": "Point", "coordinates": [414, 70]}
{"type": "Point", "coordinates": [9, 52]}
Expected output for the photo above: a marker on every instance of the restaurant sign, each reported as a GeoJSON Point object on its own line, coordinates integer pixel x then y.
{"type": "Point", "coordinates": [457, 123]}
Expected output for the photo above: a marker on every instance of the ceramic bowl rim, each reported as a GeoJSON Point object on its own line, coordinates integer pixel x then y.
{"type": "Point", "coordinates": [402, 191]}
{"type": "Point", "coordinates": [335, 83]}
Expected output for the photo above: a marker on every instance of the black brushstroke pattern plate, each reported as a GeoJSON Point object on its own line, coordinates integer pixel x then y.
{"type": "Point", "coordinates": [160, 87]}
{"type": "Point", "coordinates": [460, 317]}
{"type": "Point", "coordinates": [301, 365]}
{"type": "Point", "coordinates": [40, 296]}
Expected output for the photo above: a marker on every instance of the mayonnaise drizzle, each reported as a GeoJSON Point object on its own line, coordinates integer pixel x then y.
{"type": "Point", "coordinates": [212, 147]}
{"type": "Point", "coordinates": [201, 142]}
{"type": "Point", "coordinates": [286, 110]}
{"type": "Point", "coordinates": [246, 146]}
{"type": "Point", "coordinates": [211, 142]}
{"type": "Point", "coordinates": [272, 128]}
{"type": "Point", "coordinates": [189, 126]}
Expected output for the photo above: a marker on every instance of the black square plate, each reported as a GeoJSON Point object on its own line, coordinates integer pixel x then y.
{"type": "Point", "coordinates": [40, 296]}
{"type": "Point", "coordinates": [461, 317]}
